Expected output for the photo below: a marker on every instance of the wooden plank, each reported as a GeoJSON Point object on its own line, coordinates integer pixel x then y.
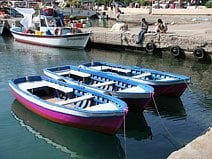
{"type": "Point", "coordinates": [73, 100]}
{"type": "Point", "coordinates": [100, 67]}
{"type": "Point", "coordinates": [73, 72]}
{"type": "Point", "coordinates": [103, 84]}
{"type": "Point", "coordinates": [120, 70]}
{"type": "Point", "coordinates": [51, 99]}
{"type": "Point", "coordinates": [145, 74]}
{"type": "Point", "coordinates": [80, 74]}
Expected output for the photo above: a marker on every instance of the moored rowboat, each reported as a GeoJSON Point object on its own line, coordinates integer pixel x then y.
{"type": "Point", "coordinates": [164, 83]}
{"type": "Point", "coordinates": [134, 93]}
{"type": "Point", "coordinates": [69, 104]}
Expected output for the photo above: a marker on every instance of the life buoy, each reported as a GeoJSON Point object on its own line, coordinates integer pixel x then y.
{"type": "Point", "coordinates": [58, 31]}
{"type": "Point", "coordinates": [150, 47]}
{"type": "Point", "coordinates": [175, 51]}
{"type": "Point", "coordinates": [199, 53]}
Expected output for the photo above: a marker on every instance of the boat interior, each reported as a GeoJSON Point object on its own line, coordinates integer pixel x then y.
{"type": "Point", "coordinates": [136, 74]}
{"type": "Point", "coordinates": [96, 81]}
{"type": "Point", "coordinates": [74, 98]}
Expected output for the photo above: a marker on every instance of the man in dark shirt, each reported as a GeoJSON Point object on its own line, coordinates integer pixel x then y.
{"type": "Point", "coordinates": [144, 28]}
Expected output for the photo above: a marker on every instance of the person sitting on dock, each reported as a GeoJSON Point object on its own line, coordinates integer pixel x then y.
{"type": "Point", "coordinates": [161, 27]}
{"type": "Point", "coordinates": [144, 28]}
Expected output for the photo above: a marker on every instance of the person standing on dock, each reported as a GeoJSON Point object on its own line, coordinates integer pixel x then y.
{"type": "Point", "coordinates": [144, 29]}
{"type": "Point", "coordinates": [118, 12]}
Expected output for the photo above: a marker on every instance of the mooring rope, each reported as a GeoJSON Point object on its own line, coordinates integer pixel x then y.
{"type": "Point", "coordinates": [164, 126]}
{"type": "Point", "coordinates": [125, 140]}
{"type": "Point", "coordinates": [187, 84]}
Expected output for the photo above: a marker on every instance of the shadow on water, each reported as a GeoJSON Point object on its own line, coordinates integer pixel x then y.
{"type": "Point", "coordinates": [136, 127]}
{"type": "Point", "coordinates": [168, 107]}
{"type": "Point", "coordinates": [76, 142]}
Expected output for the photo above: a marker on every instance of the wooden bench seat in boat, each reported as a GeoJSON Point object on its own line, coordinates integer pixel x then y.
{"type": "Point", "coordinates": [167, 79]}
{"type": "Point", "coordinates": [73, 100]}
{"type": "Point", "coordinates": [105, 106]}
{"type": "Point", "coordinates": [121, 70]}
{"type": "Point", "coordinates": [39, 84]}
{"type": "Point", "coordinates": [73, 72]}
{"type": "Point", "coordinates": [110, 68]}
{"type": "Point", "coordinates": [132, 89]}
{"type": "Point", "coordinates": [145, 74]}
{"type": "Point", "coordinates": [103, 84]}
{"type": "Point", "coordinates": [100, 67]}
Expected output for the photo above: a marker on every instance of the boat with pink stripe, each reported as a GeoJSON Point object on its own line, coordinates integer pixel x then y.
{"type": "Point", "coordinates": [69, 104]}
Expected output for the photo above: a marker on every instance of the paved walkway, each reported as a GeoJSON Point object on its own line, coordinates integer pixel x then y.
{"type": "Point", "coordinates": [182, 25]}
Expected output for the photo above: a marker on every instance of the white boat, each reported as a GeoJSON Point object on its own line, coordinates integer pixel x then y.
{"type": "Point", "coordinates": [48, 30]}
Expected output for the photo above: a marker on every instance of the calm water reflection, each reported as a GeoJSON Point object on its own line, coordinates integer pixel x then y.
{"type": "Point", "coordinates": [76, 142]}
{"type": "Point", "coordinates": [148, 135]}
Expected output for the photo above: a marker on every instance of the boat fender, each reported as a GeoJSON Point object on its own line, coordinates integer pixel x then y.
{"type": "Point", "coordinates": [199, 53]}
{"type": "Point", "coordinates": [58, 31]}
{"type": "Point", "coordinates": [175, 50]}
{"type": "Point", "coordinates": [150, 47]}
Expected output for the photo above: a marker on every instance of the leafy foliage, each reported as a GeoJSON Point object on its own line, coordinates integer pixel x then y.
{"type": "Point", "coordinates": [208, 4]}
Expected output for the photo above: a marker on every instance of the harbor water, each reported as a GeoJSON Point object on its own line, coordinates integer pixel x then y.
{"type": "Point", "coordinates": [165, 126]}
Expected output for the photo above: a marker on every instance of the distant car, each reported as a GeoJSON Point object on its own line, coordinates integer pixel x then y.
{"type": "Point", "coordinates": [119, 4]}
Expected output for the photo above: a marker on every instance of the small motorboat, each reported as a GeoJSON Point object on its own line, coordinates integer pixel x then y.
{"type": "Point", "coordinates": [164, 83]}
{"type": "Point", "coordinates": [69, 104]}
{"type": "Point", "coordinates": [48, 30]}
{"type": "Point", "coordinates": [134, 93]}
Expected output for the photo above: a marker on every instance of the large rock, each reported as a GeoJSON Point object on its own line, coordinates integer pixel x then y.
{"type": "Point", "coordinates": [199, 148]}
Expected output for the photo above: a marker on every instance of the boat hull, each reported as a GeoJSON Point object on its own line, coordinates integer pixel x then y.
{"type": "Point", "coordinates": [175, 90]}
{"type": "Point", "coordinates": [78, 40]}
{"type": "Point", "coordinates": [137, 105]}
{"type": "Point", "coordinates": [108, 125]}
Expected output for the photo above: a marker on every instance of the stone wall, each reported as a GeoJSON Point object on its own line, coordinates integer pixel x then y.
{"type": "Point", "coordinates": [160, 40]}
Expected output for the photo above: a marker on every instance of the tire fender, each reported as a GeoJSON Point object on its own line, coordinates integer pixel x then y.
{"type": "Point", "coordinates": [199, 53]}
{"type": "Point", "coordinates": [150, 47]}
{"type": "Point", "coordinates": [175, 50]}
